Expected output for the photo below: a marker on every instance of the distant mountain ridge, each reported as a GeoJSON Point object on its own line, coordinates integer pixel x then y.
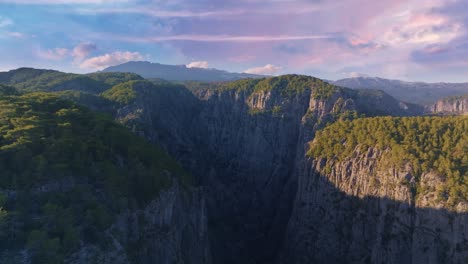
{"type": "Point", "coordinates": [414, 92]}
{"type": "Point", "coordinates": [151, 70]}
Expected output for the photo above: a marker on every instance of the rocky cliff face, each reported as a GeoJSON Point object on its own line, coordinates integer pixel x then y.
{"type": "Point", "coordinates": [114, 198]}
{"type": "Point", "coordinates": [170, 229]}
{"type": "Point", "coordinates": [244, 146]}
{"type": "Point", "coordinates": [451, 106]}
{"type": "Point", "coordinates": [359, 214]}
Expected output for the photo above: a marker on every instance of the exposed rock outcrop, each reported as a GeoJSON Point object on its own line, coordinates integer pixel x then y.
{"type": "Point", "coordinates": [357, 213]}
{"type": "Point", "coordinates": [170, 229]}
{"type": "Point", "coordinates": [450, 106]}
{"type": "Point", "coordinates": [244, 145]}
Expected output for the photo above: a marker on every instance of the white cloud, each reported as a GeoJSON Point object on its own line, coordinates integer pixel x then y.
{"type": "Point", "coordinates": [5, 21]}
{"type": "Point", "coordinates": [414, 26]}
{"type": "Point", "coordinates": [53, 54]}
{"type": "Point", "coordinates": [82, 50]}
{"type": "Point", "coordinates": [198, 64]}
{"type": "Point", "coordinates": [110, 59]}
{"type": "Point", "coordinates": [267, 69]}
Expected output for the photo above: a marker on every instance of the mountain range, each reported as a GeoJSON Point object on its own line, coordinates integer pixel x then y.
{"type": "Point", "coordinates": [415, 92]}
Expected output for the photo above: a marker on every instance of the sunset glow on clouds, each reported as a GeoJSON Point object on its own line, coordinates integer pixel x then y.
{"type": "Point", "coordinates": [413, 40]}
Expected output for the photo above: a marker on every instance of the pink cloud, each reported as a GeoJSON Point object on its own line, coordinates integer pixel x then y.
{"type": "Point", "coordinates": [82, 50]}
{"type": "Point", "coordinates": [434, 49]}
{"type": "Point", "coordinates": [418, 20]}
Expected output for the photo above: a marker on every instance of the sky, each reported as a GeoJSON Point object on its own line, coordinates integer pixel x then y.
{"type": "Point", "coordinates": [414, 40]}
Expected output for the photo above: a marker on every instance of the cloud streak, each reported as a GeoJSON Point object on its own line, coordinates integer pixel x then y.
{"type": "Point", "coordinates": [151, 10]}
{"type": "Point", "coordinates": [217, 38]}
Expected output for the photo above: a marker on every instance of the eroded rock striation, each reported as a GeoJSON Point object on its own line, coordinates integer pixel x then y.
{"type": "Point", "coordinates": [358, 214]}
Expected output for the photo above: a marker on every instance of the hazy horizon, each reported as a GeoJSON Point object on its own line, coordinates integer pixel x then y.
{"type": "Point", "coordinates": [349, 77]}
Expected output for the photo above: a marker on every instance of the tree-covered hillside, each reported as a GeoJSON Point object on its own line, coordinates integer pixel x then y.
{"type": "Point", "coordinates": [288, 85]}
{"type": "Point", "coordinates": [438, 144]}
{"type": "Point", "coordinates": [369, 102]}
{"type": "Point", "coordinates": [66, 172]}
{"type": "Point", "coordinates": [28, 80]}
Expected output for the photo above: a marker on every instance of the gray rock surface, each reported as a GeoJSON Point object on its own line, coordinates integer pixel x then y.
{"type": "Point", "coordinates": [358, 213]}
{"type": "Point", "coordinates": [171, 229]}
{"type": "Point", "coordinates": [451, 106]}
{"type": "Point", "coordinates": [245, 147]}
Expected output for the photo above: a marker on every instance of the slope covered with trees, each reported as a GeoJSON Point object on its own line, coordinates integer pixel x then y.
{"type": "Point", "coordinates": [66, 173]}
{"type": "Point", "coordinates": [438, 144]}
{"type": "Point", "coordinates": [28, 80]}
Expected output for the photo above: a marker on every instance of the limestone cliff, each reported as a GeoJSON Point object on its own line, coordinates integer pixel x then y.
{"type": "Point", "coordinates": [370, 191]}
{"type": "Point", "coordinates": [451, 106]}
{"type": "Point", "coordinates": [243, 141]}
{"type": "Point", "coordinates": [76, 187]}
{"type": "Point", "coordinates": [170, 229]}
{"type": "Point", "coordinates": [356, 214]}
